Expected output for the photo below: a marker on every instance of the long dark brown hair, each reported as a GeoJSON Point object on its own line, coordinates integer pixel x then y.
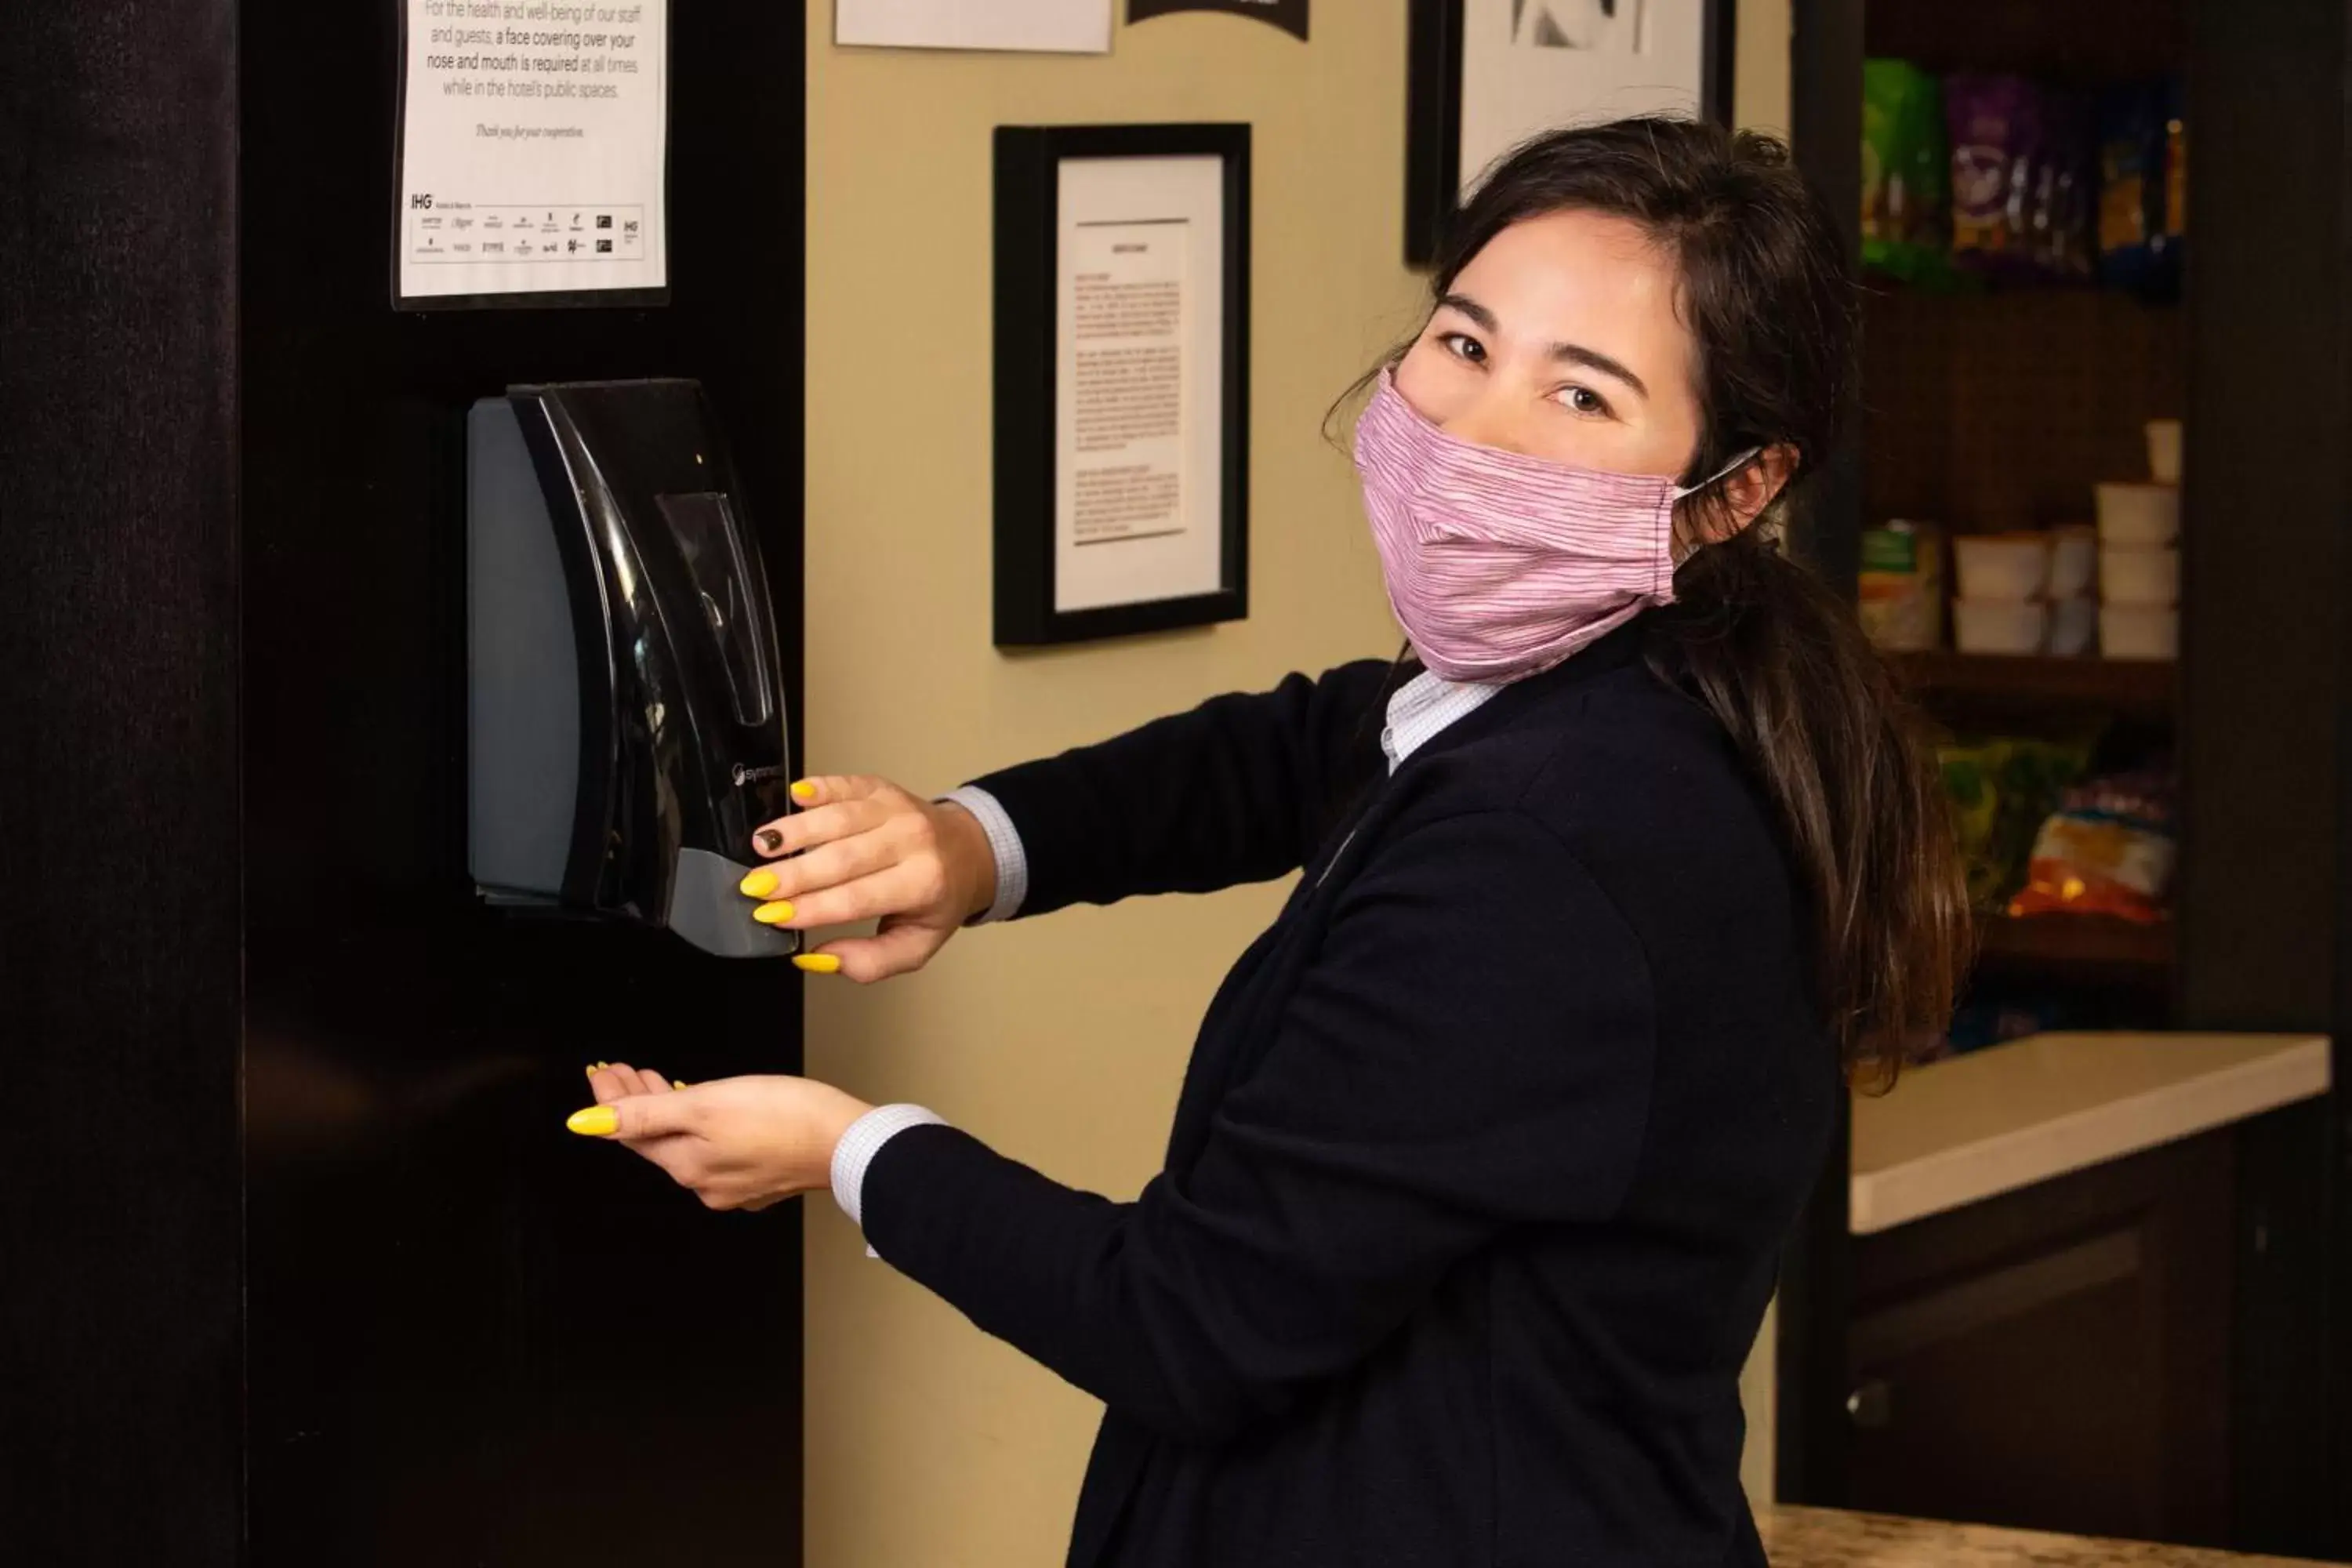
{"type": "Point", "coordinates": [1770, 299]}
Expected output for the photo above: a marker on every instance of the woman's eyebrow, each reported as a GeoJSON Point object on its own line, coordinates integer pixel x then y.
{"type": "Point", "coordinates": [1472, 309]}
{"type": "Point", "coordinates": [1571, 354]}
{"type": "Point", "coordinates": [1593, 359]}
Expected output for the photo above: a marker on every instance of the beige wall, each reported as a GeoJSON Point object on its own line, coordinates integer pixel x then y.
{"type": "Point", "coordinates": [1061, 1042]}
{"type": "Point", "coordinates": [1760, 98]}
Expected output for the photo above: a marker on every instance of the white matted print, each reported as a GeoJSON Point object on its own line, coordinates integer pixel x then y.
{"type": "Point", "coordinates": [1529, 66]}
{"type": "Point", "coordinates": [1045, 27]}
{"type": "Point", "coordinates": [1138, 381]}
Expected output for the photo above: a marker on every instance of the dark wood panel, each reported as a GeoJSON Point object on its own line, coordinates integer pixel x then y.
{"type": "Point", "coordinates": [2056, 1358]}
{"type": "Point", "coordinates": [2286, 1340]}
{"type": "Point", "coordinates": [2082, 945]}
{"type": "Point", "coordinates": [2264, 565]}
{"type": "Point", "coordinates": [2002, 410]}
{"type": "Point", "coordinates": [477, 1339]}
{"type": "Point", "coordinates": [2265, 903]}
{"type": "Point", "coordinates": [1810, 1428]}
{"type": "Point", "coordinates": [1825, 134]}
{"type": "Point", "coordinates": [2145, 688]}
{"type": "Point", "coordinates": [119, 1223]}
{"type": "Point", "coordinates": [2071, 40]}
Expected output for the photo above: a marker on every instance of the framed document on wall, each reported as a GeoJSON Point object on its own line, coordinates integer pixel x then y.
{"type": "Point", "coordinates": [1122, 379]}
{"type": "Point", "coordinates": [1486, 75]}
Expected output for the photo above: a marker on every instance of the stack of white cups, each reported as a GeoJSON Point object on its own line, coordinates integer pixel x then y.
{"type": "Point", "coordinates": [2139, 554]}
{"type": "Point", "coordinates": [2074, 613]}
{"type": "Point", "coordinates": [2025, 593]}
{"type": "Point", "coordinates": [2003, 605]}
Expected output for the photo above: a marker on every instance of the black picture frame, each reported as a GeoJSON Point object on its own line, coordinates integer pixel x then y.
{"type": "Point", "coordinates": [1028, 159]}
{"type": "Point", "coordinates": [1432, 147]}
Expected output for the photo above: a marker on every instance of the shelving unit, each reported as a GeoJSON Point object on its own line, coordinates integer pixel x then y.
{"type": "Point", "coordinates": [2119, 964]}
{"type": "Point", "coordinates": [2000, 409]}
{"type": "Point", "coordinates": [2206, 1392]}
{"type": "Point", "coordinates": [2137, 688]}
{"type": "Point", "coordinates": [1994, 405]}
{"type": "Point", "coordinates": [2090, 947]}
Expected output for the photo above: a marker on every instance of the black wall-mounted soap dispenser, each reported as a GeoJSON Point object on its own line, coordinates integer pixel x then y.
{"type": "Point", "coordinates": [626, 719]}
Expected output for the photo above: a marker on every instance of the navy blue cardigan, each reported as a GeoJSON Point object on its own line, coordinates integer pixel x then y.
{"type": "Point", "coordinates": [1483, 1157]}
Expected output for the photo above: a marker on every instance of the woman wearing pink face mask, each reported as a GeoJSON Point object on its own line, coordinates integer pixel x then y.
{"type": "Point", "coordinates": [1482, 1166]}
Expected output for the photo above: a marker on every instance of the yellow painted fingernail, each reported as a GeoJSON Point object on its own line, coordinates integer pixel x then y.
{"type": "Point", "coordinates": [816, 963]}
{"type": "Point", "coordinates": [774, 914]}
{"type": "Point", "coordinates": [597, 1121]}
{"type": "Point", "coordinates": [803, 792]}
{"type": "Point", "coordinates": [591, 1069]}
{"type": "Point", "coordinates": [759, 884]}
{"type": "Point", "coordinates": [677, 1083]}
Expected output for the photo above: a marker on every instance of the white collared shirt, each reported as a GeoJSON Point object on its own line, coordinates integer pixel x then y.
{"type": "Point", "coordinates": [1426, 706]}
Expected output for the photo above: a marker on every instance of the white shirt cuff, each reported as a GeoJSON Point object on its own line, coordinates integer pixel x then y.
{"type": "Point", "coordinates": [860, 1143]}
{"type": "Point", "coordinates": [1005, 843]}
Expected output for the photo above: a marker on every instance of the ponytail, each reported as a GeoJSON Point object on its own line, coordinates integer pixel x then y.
{"type": "Point", "coordinates": [1780, 661]}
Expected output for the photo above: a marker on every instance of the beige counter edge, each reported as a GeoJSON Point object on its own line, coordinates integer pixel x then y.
{"type": "Point", "coordinates": [1949, 1178]}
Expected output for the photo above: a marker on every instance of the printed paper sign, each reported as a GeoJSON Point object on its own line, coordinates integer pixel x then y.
{"type": "Point", "coordinates": [534, 148]}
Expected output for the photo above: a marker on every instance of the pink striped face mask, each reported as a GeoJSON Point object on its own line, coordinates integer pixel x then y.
{"type": "Point", "coordinates": [1499, 565]}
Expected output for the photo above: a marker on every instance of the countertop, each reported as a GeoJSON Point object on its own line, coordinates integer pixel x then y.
{"type": "Point", "coordinates": [1961, 1130]}
{"type": "Point", "coordinates": [1832, 1538]}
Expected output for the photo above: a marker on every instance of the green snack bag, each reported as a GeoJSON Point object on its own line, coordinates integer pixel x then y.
{"type": "Point", "coordinates": [2001, 788]}
{"type": "Point", "coordinates": [1969, 782]}
{"type": "Point", "coordinates": [1905, 172]}
{"type": "Point", "coordinates": [2032, 776]}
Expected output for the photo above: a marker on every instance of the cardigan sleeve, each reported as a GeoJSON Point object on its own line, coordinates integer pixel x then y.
{"type": "Point", "coordinates": [1238, 790]}
{"type": "Point", "coordinates": [1449, 1067]}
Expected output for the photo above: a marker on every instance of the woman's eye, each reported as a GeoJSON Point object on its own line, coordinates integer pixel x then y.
{"type": "Point", "coordinates": [1461, 345]}
{"type": "Point", "coordinates": [1584, 400]}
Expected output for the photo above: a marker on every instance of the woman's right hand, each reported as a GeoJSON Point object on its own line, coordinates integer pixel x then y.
{"type": "Point", "coordinates": [862, 848]}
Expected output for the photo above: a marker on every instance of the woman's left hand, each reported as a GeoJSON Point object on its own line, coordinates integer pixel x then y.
{"type": "Point", "coordinates": [737, 1143]}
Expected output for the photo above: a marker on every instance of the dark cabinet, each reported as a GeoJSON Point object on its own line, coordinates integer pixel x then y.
{"type": "Point", "coordinates": [2055, 1358]}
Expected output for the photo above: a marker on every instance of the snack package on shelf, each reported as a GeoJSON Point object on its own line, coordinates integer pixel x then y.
{"type": "Point", "coordinates": [1995, 126]}
{"type": "Point", "coordinates": [2108, 850]}
{"type": "Point", "coordinates": [1900, 601]}
{"type": "Point", "coordinates": [2065, 182]}
{"type": "Point", "coordinates": [2002, 790]}
{"type": "Point", "coordinates": [2143, 187]}
{"type": "Point", "coordinates": [2022, 177]}
{"type": "Point", "coordinates": [2176, 171]}
{"type": "Point", "coordinates": [1968, 784]}
{"type": "Point", "coordinates": [1905, 173]}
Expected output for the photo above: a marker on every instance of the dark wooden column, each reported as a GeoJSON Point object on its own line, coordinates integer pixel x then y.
{"type": "Point", "coordinates": [2265, 900]}
{"type": "Point", "coordinates": [1811, 1430]}
{"type": "Point", "coordinates": [473, 1337]}
{"type": "Point", "coordinates": [297, 1264]}
{"type": "Point", "coordinates": [120, 1341]}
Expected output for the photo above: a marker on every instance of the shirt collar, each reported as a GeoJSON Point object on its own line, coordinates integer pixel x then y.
{"type": "Point", "coordinates": [1424, 706]}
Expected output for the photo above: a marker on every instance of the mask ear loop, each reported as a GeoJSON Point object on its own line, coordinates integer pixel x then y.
{"type": "Point", "coordinates": [1680, 552]}
{"type": "Point", "coordinates": [1725, 472]}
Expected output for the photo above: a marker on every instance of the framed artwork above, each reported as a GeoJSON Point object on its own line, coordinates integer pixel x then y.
{"type": "Point", "coordinates": [1486, 75]}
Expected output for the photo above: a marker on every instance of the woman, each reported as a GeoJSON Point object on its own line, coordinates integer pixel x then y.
{"type": "Point", "coordinates": [1487, 1147]}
